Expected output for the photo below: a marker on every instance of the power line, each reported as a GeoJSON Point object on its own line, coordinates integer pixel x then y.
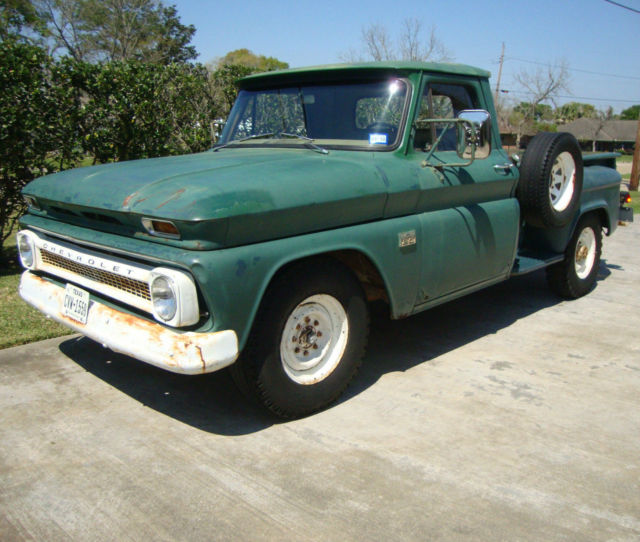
{"type": "Point", "coordinates": [622, 6]}
{"type": "Point", "coordinates": [574, 69]}
{"type": "Point", "coordinates": [573, 97]}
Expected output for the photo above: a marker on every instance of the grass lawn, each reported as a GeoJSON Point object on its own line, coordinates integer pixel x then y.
{"type": "Point", "coordinates": [625, 158]}
{"type": "Point", "coordinates": [19, 322]}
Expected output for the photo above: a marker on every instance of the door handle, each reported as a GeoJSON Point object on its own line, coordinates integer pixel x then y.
{"type": "Point", "coordinates": [504, 168]}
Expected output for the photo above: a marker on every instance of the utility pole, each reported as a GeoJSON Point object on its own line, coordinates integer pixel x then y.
{"type": "Point", "coordinates": [495, 98]}
{"type": "Point", "coordinates": [635, 167]}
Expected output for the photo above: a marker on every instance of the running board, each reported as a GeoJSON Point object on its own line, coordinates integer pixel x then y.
{"type": "Point", "coordinates": [528, 264]}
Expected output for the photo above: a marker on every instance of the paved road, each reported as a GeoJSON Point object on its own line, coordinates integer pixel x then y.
{"type": "Point", "coordinates": [508, 415]}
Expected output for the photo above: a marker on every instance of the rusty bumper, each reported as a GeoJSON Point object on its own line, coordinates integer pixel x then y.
{"type": "Point", "coordinates": [185, 353]}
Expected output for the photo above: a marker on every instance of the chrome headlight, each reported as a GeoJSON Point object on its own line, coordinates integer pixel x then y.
{"type": "Point", "coordinates": [163, 296]}
{"type": "Point", "coordinates": [174, 297]}
{"type": "Point", "coordinates": [26, 249]}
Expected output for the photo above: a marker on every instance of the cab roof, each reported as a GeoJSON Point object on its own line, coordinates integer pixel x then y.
{"type": "Point", "coordinates": [334, 72]}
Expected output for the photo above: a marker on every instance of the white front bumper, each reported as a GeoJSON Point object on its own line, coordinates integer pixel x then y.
{"type": "Point", "coordinates": [186, 353]}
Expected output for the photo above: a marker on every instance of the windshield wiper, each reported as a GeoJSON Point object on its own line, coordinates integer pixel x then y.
{"type": "Point", "coordinates": [247, 138]}
{"type": "Point", "coordinates": [275, 135]}
{"type": "Point", "coordinates": [309, 141]}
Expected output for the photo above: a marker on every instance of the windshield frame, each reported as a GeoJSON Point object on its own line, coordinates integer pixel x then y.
{"type": "Point", "coordinates": [288, 142]}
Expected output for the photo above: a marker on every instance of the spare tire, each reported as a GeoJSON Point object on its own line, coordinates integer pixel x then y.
{"type": "Point", "coordinates": [551, 177]}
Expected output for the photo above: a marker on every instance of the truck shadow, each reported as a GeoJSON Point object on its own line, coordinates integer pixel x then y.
{"type": "Point", "coordinates": [208, 402]}
{"type": "Point", "coordinates": [428, 335]}
{"type": "Point", "coordinates": [212, 403]}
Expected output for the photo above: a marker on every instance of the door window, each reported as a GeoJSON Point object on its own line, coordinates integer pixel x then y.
{"type": "Point", "coordinates": [441, 101]}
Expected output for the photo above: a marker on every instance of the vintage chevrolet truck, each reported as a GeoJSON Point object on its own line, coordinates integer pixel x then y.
{"type": "Point", "coordinates": [330, 187]}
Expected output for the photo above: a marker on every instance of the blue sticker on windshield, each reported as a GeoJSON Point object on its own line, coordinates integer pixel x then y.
{"type": "Point", "coordinates": [377, 139]}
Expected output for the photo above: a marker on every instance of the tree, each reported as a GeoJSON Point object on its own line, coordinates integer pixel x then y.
{"type": "Point", "coordinates": [538, 112]}
{"type": "Point", "coordinates": [256, 63]}
{"type": "Point", "coordinates": [631, 113]}
{"type": "Point", "coordinates": [412, 46]}
{"type": "Point", "coordinates": [575, 110]}
{"type": "Point", "coordinates": [106, 30]}
{"type": "Point", "coordinates": [17, 15]}
{"type": "Point", "coordinates": [224, 84]}
{"type": "Point", "coordinates": [543, 84]}
{"type": "Point", "coordinates": [40, 129]}
{"type": "Point", "coordinates": [173, 39]}
{"type": "Point", "coordinates": [235, 65]}
{"type": "Point", "coordinates": [412, 43]}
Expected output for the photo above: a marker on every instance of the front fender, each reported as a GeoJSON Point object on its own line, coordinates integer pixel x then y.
{"type": "Point", "coordinates": [234, 281]}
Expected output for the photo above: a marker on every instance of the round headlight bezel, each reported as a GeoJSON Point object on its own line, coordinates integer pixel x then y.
{"type": "Point", "coordinates": [26, 249]}
{"type": "Point", "coordinates": [164, 298]}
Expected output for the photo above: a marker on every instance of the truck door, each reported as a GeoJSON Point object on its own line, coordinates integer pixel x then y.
{"type": "Point", "coordinates": [469, 218]}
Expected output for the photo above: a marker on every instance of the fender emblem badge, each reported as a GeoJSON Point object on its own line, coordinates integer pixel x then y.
{"type": "Point", "coordinates": [407, 238]}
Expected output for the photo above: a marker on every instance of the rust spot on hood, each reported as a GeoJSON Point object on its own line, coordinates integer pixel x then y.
{"type": "Point", "coordinates": [128, 199]}
{"type": "Point", "coordinates": [175, 195]}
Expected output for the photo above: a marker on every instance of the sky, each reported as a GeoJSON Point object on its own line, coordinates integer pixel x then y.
{"type": "Point", "coordinates": [589, 35]}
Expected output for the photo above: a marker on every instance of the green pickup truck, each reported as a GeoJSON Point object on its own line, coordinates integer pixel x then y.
{"type": "Point", "coordinates": [330, 187]}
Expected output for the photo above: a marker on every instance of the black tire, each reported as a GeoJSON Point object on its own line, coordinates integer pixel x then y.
{"type": "Point", "coordinates": [548, 191]}
{"type": "Point", "coordinates": [576, 275]}
{"type": "Point", "coordinates": [280, 374]}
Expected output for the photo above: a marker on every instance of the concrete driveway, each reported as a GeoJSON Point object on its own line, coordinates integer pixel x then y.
{"type": "Point", "coordinates": [508, 415]}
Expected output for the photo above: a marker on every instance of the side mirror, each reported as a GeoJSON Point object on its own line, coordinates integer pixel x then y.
{"type": "Point", "coordinates": [473, 134]}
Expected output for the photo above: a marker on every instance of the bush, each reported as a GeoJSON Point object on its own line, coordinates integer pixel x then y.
{"type": "Point", "coordinates": [141, 110]}
{"type": "Point", "coordinates": [39, 131]}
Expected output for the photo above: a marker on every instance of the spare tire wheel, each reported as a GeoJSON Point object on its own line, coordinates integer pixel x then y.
{"type": "Point", "coordinates": [551, 176]}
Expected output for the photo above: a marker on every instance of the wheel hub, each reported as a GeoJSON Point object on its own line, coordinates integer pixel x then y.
{"type": "Point", "coordinates": [314, 338]}
{"type": "Point", "coordinates": [308, 337]}
{"type": "Point", "coordinates": [582, 253]}
{"type": "Point", "coordinates": [585, 253]}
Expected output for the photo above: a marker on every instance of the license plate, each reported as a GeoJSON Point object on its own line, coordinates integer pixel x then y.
{"type": "Point", "coordinates": [76, 303]}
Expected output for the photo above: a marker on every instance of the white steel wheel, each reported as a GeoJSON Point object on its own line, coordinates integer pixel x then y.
{"type": "Point", "coordinates": [577, 273]}
{"type": "Point", "coordinates": [307, 341]}
{"type": "Point", "coordinates": [585, 253]}
{"type": "Point", "coordinates": [551, 179]}
{"type": "Point", "coordinates": [562, 181]}
{"type": "Point", "coordinates": [314, 339]}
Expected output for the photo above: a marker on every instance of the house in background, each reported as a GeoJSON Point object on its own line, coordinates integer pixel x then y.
{"type": "Point", "coordinates": [603, 135]}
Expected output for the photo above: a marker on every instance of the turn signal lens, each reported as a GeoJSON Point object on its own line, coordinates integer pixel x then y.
{"type": "Point", "coordinates": [161, 228]}
{"type": "Point", "coordinates": [32, 202]}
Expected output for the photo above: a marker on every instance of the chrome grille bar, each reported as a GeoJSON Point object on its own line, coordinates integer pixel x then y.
{"type": "Point", "coordinates": [134, 287]}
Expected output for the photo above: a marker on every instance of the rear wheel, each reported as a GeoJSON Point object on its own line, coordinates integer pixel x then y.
{"type": "Point", "coordinates": [576, 275]}
{"type": "Point", "coordinates": [308, 340]}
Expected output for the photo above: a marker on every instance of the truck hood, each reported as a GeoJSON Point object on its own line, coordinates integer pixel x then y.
{"type": "Point", "coordinates": [250, 194]}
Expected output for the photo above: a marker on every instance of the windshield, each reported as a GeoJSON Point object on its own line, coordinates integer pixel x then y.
{"type": "Point", "coordinates": [364, 115]}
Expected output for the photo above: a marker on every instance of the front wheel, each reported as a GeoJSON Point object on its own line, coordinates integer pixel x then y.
{"type": "Point", "coordinates": [308, 340]}
{"type": "Point", "coordinates": [576, 275]}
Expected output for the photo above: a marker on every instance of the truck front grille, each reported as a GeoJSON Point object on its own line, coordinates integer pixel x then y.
{"type": "Point", "coordinates": [131, 286]}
